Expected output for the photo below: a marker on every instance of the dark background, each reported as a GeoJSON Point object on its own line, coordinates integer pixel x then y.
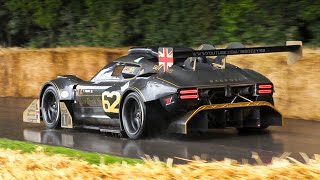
{"type": "Point", "coordinates": [115, 23]}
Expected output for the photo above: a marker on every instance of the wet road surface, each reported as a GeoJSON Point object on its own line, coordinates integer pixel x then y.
{"type": "Point", "coordinates": [296, 136]}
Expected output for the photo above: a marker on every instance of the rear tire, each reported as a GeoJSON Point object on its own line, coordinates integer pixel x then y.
{"type": "Point", "coordinates": [50, 108]}
{"type": "Point", "coordinates": [134, 116]}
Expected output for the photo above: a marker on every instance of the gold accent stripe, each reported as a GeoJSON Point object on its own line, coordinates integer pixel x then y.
{"type": "Point", "coordinates": [168, 82]}
{"type": "Point", "coordinates": [207, 86]}
{"type": "Point", "coordinates": [86, 95]}
{"type": "Point", "coordinates": [228, 106]}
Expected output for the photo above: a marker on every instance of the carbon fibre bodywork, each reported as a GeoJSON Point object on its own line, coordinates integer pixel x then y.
{"type": "Point", "coordinates": [224, 97]}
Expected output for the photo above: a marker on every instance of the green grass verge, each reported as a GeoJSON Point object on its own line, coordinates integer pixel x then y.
{"type": "Point", "coordinates": [90, 157]}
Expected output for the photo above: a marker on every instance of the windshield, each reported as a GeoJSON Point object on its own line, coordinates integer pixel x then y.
{"type": "Point", "coordinates": [105, 72]}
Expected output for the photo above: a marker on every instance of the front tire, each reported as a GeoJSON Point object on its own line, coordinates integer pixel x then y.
{"type": "Point", "coordinates": [50, 108]}
{"type": "Point", "coordinates": [134, 116]}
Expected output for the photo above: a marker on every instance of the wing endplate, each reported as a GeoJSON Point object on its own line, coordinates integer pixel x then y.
{"type": "Point", "coordinates": [296, 55]}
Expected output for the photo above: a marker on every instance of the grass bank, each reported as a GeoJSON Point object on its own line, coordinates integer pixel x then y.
{"type": "Point", "coordinates": [90, 157]}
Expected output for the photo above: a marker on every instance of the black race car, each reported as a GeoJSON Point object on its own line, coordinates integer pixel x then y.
{"type": "Point", "coordinates": [177, 89]}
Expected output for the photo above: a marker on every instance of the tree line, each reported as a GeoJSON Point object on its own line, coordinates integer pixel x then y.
{"type": "Point", "coordinates": [116, 23]}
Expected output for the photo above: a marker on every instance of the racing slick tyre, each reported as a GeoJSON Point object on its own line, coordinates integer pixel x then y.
{"type": "Point", "coordinates": [134, 116]}
{"type": "Point", "coordinates": [50, 108]}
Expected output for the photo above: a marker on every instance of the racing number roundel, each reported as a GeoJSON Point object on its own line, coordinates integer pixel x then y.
{"type": "Point", "coordinates": [107, 104]}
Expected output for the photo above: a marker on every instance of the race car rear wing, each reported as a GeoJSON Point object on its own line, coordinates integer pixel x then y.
{"type": "Point", "coordinates": [166, 55]}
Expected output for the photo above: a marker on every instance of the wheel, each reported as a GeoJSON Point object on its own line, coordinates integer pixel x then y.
{"type": "Point", "coordinates": [50, 108]}
{"type": "Point", "coordinates": [134, 116]}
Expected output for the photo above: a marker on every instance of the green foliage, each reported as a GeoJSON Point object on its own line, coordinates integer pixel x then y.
{"type": "Point", "coordinates": [51, 23]}
{"type": "Point", "coordinates": [92, 158]}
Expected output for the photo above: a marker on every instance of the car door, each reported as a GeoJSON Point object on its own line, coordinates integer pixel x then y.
{"type": "Point", "coordinates": [99, 100]}
{"type": "Point", "coordinates": [91, 96]}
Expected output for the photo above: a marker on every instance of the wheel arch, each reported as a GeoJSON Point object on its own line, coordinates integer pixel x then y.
{"type": "Point", "coordinates": [151, 89]}
{"type": "Point", "coordinates": [44, 87]}
{"type": "Point", "coordinates": [60, 86]}
{"type": "Point", "coordinates": [64, 85]}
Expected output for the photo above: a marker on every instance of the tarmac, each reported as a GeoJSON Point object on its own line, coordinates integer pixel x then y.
{"type": "Point", "coordinates": [294, 137]}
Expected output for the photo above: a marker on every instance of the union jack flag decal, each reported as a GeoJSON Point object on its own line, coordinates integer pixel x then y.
{"type": "Point", "coordinates": [165, 57]}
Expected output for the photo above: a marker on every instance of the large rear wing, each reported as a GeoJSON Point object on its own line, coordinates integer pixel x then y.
{"type": "Point", "coordinates": [293, 47]}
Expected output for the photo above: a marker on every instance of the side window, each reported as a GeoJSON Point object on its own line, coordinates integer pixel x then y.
{"type": "Point", "coordinates": [130, 71]}
{"type": "Point", "coordinates": [104, 74]}
{"type": "Point", "coordinates": [117, 71]}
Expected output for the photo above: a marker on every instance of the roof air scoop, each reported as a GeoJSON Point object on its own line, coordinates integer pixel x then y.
{"type": "Point", "coordinates": [193, 60]}
{"type": "Point", "coordinates": [143, 50]}
{"type": "Point", "coordinates": [233, 45]}
{"type": "Point", "coordinates": [206, 47]}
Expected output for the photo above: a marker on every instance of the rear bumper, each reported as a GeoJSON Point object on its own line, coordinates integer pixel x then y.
{"type": "Point", "coordinates": [241, 114]}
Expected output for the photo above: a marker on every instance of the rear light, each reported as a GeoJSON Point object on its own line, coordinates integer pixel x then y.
{"type": "Point", "coordinates": [189, 91]}
{"type": "Point", "coordinates": [265, 89]}
{"type": "Point", "coordinates": [265, 86]}
{"type": "Point", "coordinates": [188, 94]}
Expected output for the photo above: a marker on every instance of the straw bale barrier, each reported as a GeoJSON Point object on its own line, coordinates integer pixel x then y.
{"type": "Point", "coordinates": [37, 165]}
{"type": "Point", "coordinates": [23, 71]}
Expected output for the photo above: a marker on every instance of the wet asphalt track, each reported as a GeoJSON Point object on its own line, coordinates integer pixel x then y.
{"type": "Point", "coordinates": [296, 136]}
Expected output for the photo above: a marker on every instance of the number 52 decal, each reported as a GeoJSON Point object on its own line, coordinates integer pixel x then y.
{"type": "Point", "coordinates": [110, 107]}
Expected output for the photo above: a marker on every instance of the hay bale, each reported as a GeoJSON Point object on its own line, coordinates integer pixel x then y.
{"type": "Point", "coordinates": [24, 71]}
{"type": "Point", "coordinates": [16, 165]}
